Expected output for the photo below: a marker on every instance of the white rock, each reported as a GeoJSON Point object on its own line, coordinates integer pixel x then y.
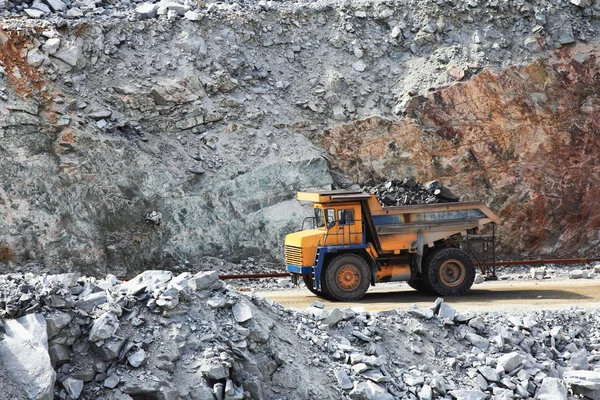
{"type": "Point", "coordinates": [446, 311]}
{"type": "Point", "coordinates": [24, 347]}
{"type": "Point", "coordinates": [579, 360]}
{"type": "Point", "coordinates": [479, 279]}
{"type": "Point", "coordinates": [147, 280]}
{"type": "Point", "coordinates": [178, 9]}
{"type": "Point", "coordinates": [557, 332]}
{"type": "Point", "coordinates": [213, 370]}
{"type": "Point", "coordinates": [38, 5]}
{"type": "Point", "coordinates": [137, 358]}
{"type": "Point", "coordinates": [146, 10]}
{"type": "Point", "coordinates": [538, 273]}
{"type": "Point", "coordinates": [511, 361]}
{"type": "Point", "coordinates": [551, 389]}
{"type": "Point", "coordinates": [334, 317]}
{"type": "Point", "coordinates": [203, 280]}
{"type": "Point", "coordinates": [359, 66]}
{"type": "Point", "coordinates": [426, 393]}
{"type": "Point", "coordinates": [477, 323]}
{"type": "Point", "coordinates": [51, 46]}
{"type": "Point", "coordinates": [468, 394]}
{"type": "Point", "coordinates": [192, 16]}
{"type": "Point", "coordinates": [576, 274]}
{"type": "Point", "coordinates": [69, 56]}
{"type": "Point", "coordinates": [104, 327]}
{"type": "Point", "coordinates": [582, 3]}
{"type": "Point", "coordinates": [285, 283]}
{"type": "Point", "coordinates": [34, 13]}
{"type": "Point", "coordinates": [35, 58]}
{"type": "Point", "coordinates": [242, 312]}
{"type": "Point", "coordinates": [74, 13]}
{"type": "Point", "coordinates": [424, 313]}
{"type": "Point", "coordinates": [488, 373]}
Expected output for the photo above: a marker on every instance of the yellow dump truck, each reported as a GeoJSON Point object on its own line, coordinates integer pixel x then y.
{"type": "Point", "coordinates": [353, 243]}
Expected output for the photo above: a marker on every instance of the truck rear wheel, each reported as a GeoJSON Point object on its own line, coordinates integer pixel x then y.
{"type": "Point", "coordinates": [346, 278]}
{"type": "Point", "coordinates": [449, 272]}
{"type": "Point", "coordinates": [310, 285]}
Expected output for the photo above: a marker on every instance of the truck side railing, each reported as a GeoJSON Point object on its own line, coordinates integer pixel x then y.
{"type": "Point", "coordinates": [344, 231]}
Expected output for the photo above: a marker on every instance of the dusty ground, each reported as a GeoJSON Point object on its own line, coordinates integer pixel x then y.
{"type": "Point", "coordinates": [488, 296]}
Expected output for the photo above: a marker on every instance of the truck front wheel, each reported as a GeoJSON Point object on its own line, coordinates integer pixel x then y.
{"type": "Point", "coordinates": [310, 282]}
{"type": "Point", "coordinates": [346, 278]}
{"type": "Point", "coordinates": [449, 272]}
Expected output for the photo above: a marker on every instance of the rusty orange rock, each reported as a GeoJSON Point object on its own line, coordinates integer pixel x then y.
{"type": "Point", "coordinates": [526, 140]}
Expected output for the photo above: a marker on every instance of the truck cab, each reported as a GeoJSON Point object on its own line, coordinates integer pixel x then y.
{"type": "Point", "coordinates": [353, 242]}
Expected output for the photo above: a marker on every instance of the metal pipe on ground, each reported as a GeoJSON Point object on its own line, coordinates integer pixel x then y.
{"type": "Point", "coordinates": [255, 276]}
{"type": "Point", "coordinates": [547, 261]}
{"type": "Point", "coordinates": [497, 263]}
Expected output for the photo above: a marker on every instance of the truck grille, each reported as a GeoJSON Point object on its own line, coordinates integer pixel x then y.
{"type": "Point", "coordinates": [293, 255]}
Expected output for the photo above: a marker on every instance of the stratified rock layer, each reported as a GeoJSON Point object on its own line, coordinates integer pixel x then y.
{"type": "Point", "coordinates": [526, 140]}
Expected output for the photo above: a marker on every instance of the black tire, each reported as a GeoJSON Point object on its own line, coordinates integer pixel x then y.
{"type": "Point", "coordinates": [449, 272]}
{"type": "Point", "coordinates": [308, 281]}
{"type": "Point", "coordinates": [346, 278]}
{"type": "Point", "coordinates": [419, 284]}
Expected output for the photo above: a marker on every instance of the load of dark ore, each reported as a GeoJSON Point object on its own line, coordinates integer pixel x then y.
{"type": "Point", "coordinates": [398, 192]}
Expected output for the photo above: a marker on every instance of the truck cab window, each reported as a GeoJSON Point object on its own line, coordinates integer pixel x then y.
{"type": "Point", "coordinates": [346, 217]}
{"type": "Point", "coordinates": [319, 217]}
{"type": "Point", "coordinates": [330, 216]}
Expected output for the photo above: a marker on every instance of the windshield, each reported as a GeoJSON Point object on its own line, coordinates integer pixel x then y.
{"type": "Point", "coordinates": [319, 217]}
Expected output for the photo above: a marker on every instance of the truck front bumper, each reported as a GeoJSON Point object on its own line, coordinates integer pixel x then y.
{"type": "Point", "coordinates": [296, 269]}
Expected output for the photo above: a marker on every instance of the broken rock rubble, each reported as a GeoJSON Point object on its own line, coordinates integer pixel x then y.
{"type": "Point", "coordinates": [217, 342]}
{"type": "Point", "coordinates": [399, 193]}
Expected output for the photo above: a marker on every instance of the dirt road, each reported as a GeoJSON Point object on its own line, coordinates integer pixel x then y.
{"type": "Point", "coordinates": [489, 296]}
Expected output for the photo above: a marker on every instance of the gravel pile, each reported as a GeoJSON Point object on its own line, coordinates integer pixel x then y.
{"type": "Point", "coordinates": [162, 336]}
{"type": "Point", "coordinates": [402, 193]}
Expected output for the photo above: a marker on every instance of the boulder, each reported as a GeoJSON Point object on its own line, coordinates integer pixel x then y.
{"type": "Point", "coordinates": [74, 387]}
{"type": "Point", "coordinates": [584, 383]}
{"type": "Point", "coordinates": [203, 280]}
{"type": "Point", "coordinates": [509, 362]}
{"type": "Point", "coordinates": [551, 389]}
{"type": "Point", "coordinates": [242, 312]}
{"type": "Point", "coordinates": [146, 10]}
{"type": "Point", "coordinates": [25, 348]}
{"type": "Point", "coordinates": [369, 391]}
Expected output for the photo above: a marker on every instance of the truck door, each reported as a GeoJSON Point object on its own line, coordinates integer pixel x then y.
{"type": "Point", "coordinates": [343, 227]}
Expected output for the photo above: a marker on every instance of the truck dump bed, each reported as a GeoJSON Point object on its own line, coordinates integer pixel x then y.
{"type": "Point", "coordinates": [409, 227]}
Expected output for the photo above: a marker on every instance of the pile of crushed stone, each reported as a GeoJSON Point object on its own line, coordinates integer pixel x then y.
{"type": "Point", "coordinates": [189, 336]}
{"type": "Point", "coordinates": [405, 192]}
